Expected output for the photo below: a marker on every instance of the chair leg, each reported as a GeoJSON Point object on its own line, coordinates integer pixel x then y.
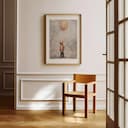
{"type": "Point", "coordinates": [74, 99]}
{"type": "Point", "coordinates": [74, 104]}
{"type": "Point", "coordinates": [63, 99]}
{"type": "Point", "coordinates": [94, 104]}
{"type": "Point", "coordinates": [63, 105]}
{"type": "Point", "coordinates": [86, 102]}
{"type": "Point", "coordinates": [94, 98]}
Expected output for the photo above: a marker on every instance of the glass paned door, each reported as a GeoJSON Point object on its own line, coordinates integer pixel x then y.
{"type": "Point", "coordinates": [117, 63]}
{"type": "Point", "coordinates": [110, 62]}
{"type": "Point", "coordinates": [123, 63]}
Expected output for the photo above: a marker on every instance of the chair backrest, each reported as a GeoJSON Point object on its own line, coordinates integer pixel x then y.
{"type": "Point", "coordinates": [84, 78]}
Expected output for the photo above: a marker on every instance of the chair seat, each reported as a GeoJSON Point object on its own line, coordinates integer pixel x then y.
{"type": "Point", "coordinates": [79, 94]}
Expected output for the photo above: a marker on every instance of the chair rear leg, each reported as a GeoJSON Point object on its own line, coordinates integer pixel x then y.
{"type": "Point", "coordinates": [63, 105]}
{"type": "Point", "coordinates": [94, 98]}
{"type": "Point", "coordinates": [94, 104]}
{"type": "Point", "coordinates": [74, 104]}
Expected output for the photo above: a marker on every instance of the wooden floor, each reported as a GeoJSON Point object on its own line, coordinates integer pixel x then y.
{"type": "Point", "coordinates": [50, 119]}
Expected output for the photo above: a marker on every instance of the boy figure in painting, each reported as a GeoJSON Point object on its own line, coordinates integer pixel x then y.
{"type": "Point", "coordinates": [61, 48]}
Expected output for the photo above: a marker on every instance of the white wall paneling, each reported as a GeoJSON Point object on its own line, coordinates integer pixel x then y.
{"type": "Point", "coordinates": [45, 92]}
{"type": "Point", "coordinates": [41, 89]}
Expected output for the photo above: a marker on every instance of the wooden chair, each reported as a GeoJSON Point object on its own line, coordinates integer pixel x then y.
{"type": "Point", "coordinates": [88, 80]}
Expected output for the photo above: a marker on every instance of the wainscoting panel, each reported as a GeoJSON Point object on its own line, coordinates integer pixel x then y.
{"type": "Point", "coordinates": [40, 90]}
{"type": "Point", "coordinates": [44, 92]}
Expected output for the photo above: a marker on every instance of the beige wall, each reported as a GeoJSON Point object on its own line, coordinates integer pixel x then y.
{"type": "Point", "coordinates": [31, 70]}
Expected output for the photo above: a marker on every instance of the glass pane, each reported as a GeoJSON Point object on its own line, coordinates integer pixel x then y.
{"type": "Point", "coordinates": [108, 103]}
{"type": "Point", "coordinates": [121, 41]}
{"type": "Point", "coordinates": [111, 76]}
{"type": "Point", "coordinates": [126, 114]}
{"type": "Point", "coordinates": [111, 14]}
{"type": "Point", "coordinates": [121, 113]}
{"type": "Point", "coordinates": [126, 81]}
{"type": "Point", "coordinates": [111, 107]}
{"type": "Point", "coordinates": [108, 76]}
{"type": "Point", "coordinates": [108, 49]}
{"type": "Point", "coordinates": [111, 47]}
{"type": "Point", "coordinates": [126, 8]}
{"type": "Point", "coordinates": [126, 39]}
{"type": "Point", "coordinates": [108, 18]}
{"type": "Point", "coordinates": [121, 9]}
{"type": "Point", "coordinates": [121, 78]}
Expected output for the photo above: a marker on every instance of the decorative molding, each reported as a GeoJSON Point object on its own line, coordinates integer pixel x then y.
{"type": "Point", "coordinates": [56, 73]}
{"type": "Point", "coordinates": [43, 80]}
{"type": "Point", "coordinates": [24, 103]}
{"type": "Point", "coordinates": [22, 99]}
{"type": "Point", "coordinates": [4, 54]}
{"type": "Point", "coordinates": [100, 77]}
{"type": "Point", "coordinates": [4, 81]}
{"type": "Point", "coordinates": [58, 106]}
{"type": "Point", "coordinates": [41, 73]}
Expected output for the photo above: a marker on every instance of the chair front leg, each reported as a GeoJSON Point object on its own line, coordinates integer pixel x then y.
{"type": "Point", "coordinates": [64, 105]}
{"type": "Point", "coordinates": [63, 100]}
{"type": "Point", "coordinates": [86, 101]}
{"type": "Point", "coordinates": [74, 104]}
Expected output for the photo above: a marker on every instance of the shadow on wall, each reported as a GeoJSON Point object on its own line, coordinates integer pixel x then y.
{"type": "Point", "coordinates": [45, 97]}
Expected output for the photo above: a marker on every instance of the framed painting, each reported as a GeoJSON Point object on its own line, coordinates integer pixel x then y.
{"type": "Point", "coordinates": [63, 38]}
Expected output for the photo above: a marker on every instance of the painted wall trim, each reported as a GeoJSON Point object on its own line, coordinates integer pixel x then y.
{"type": "Point", "coordinates": [28, 103]}
{"type": "Point", "coordinates": [57, 73]}
{"type": "Point", "coordinates": [101, 105]}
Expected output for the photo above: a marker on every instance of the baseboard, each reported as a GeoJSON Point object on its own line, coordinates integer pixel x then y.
{"type": "Point", "coordinates": [100, 105]}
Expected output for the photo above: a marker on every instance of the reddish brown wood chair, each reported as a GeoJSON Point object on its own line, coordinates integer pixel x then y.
{"type": "Point", "coordinates": [88, 80]}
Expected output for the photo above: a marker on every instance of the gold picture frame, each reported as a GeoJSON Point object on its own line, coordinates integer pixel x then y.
{"type": "Point", "coordinates": [63, 38]}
